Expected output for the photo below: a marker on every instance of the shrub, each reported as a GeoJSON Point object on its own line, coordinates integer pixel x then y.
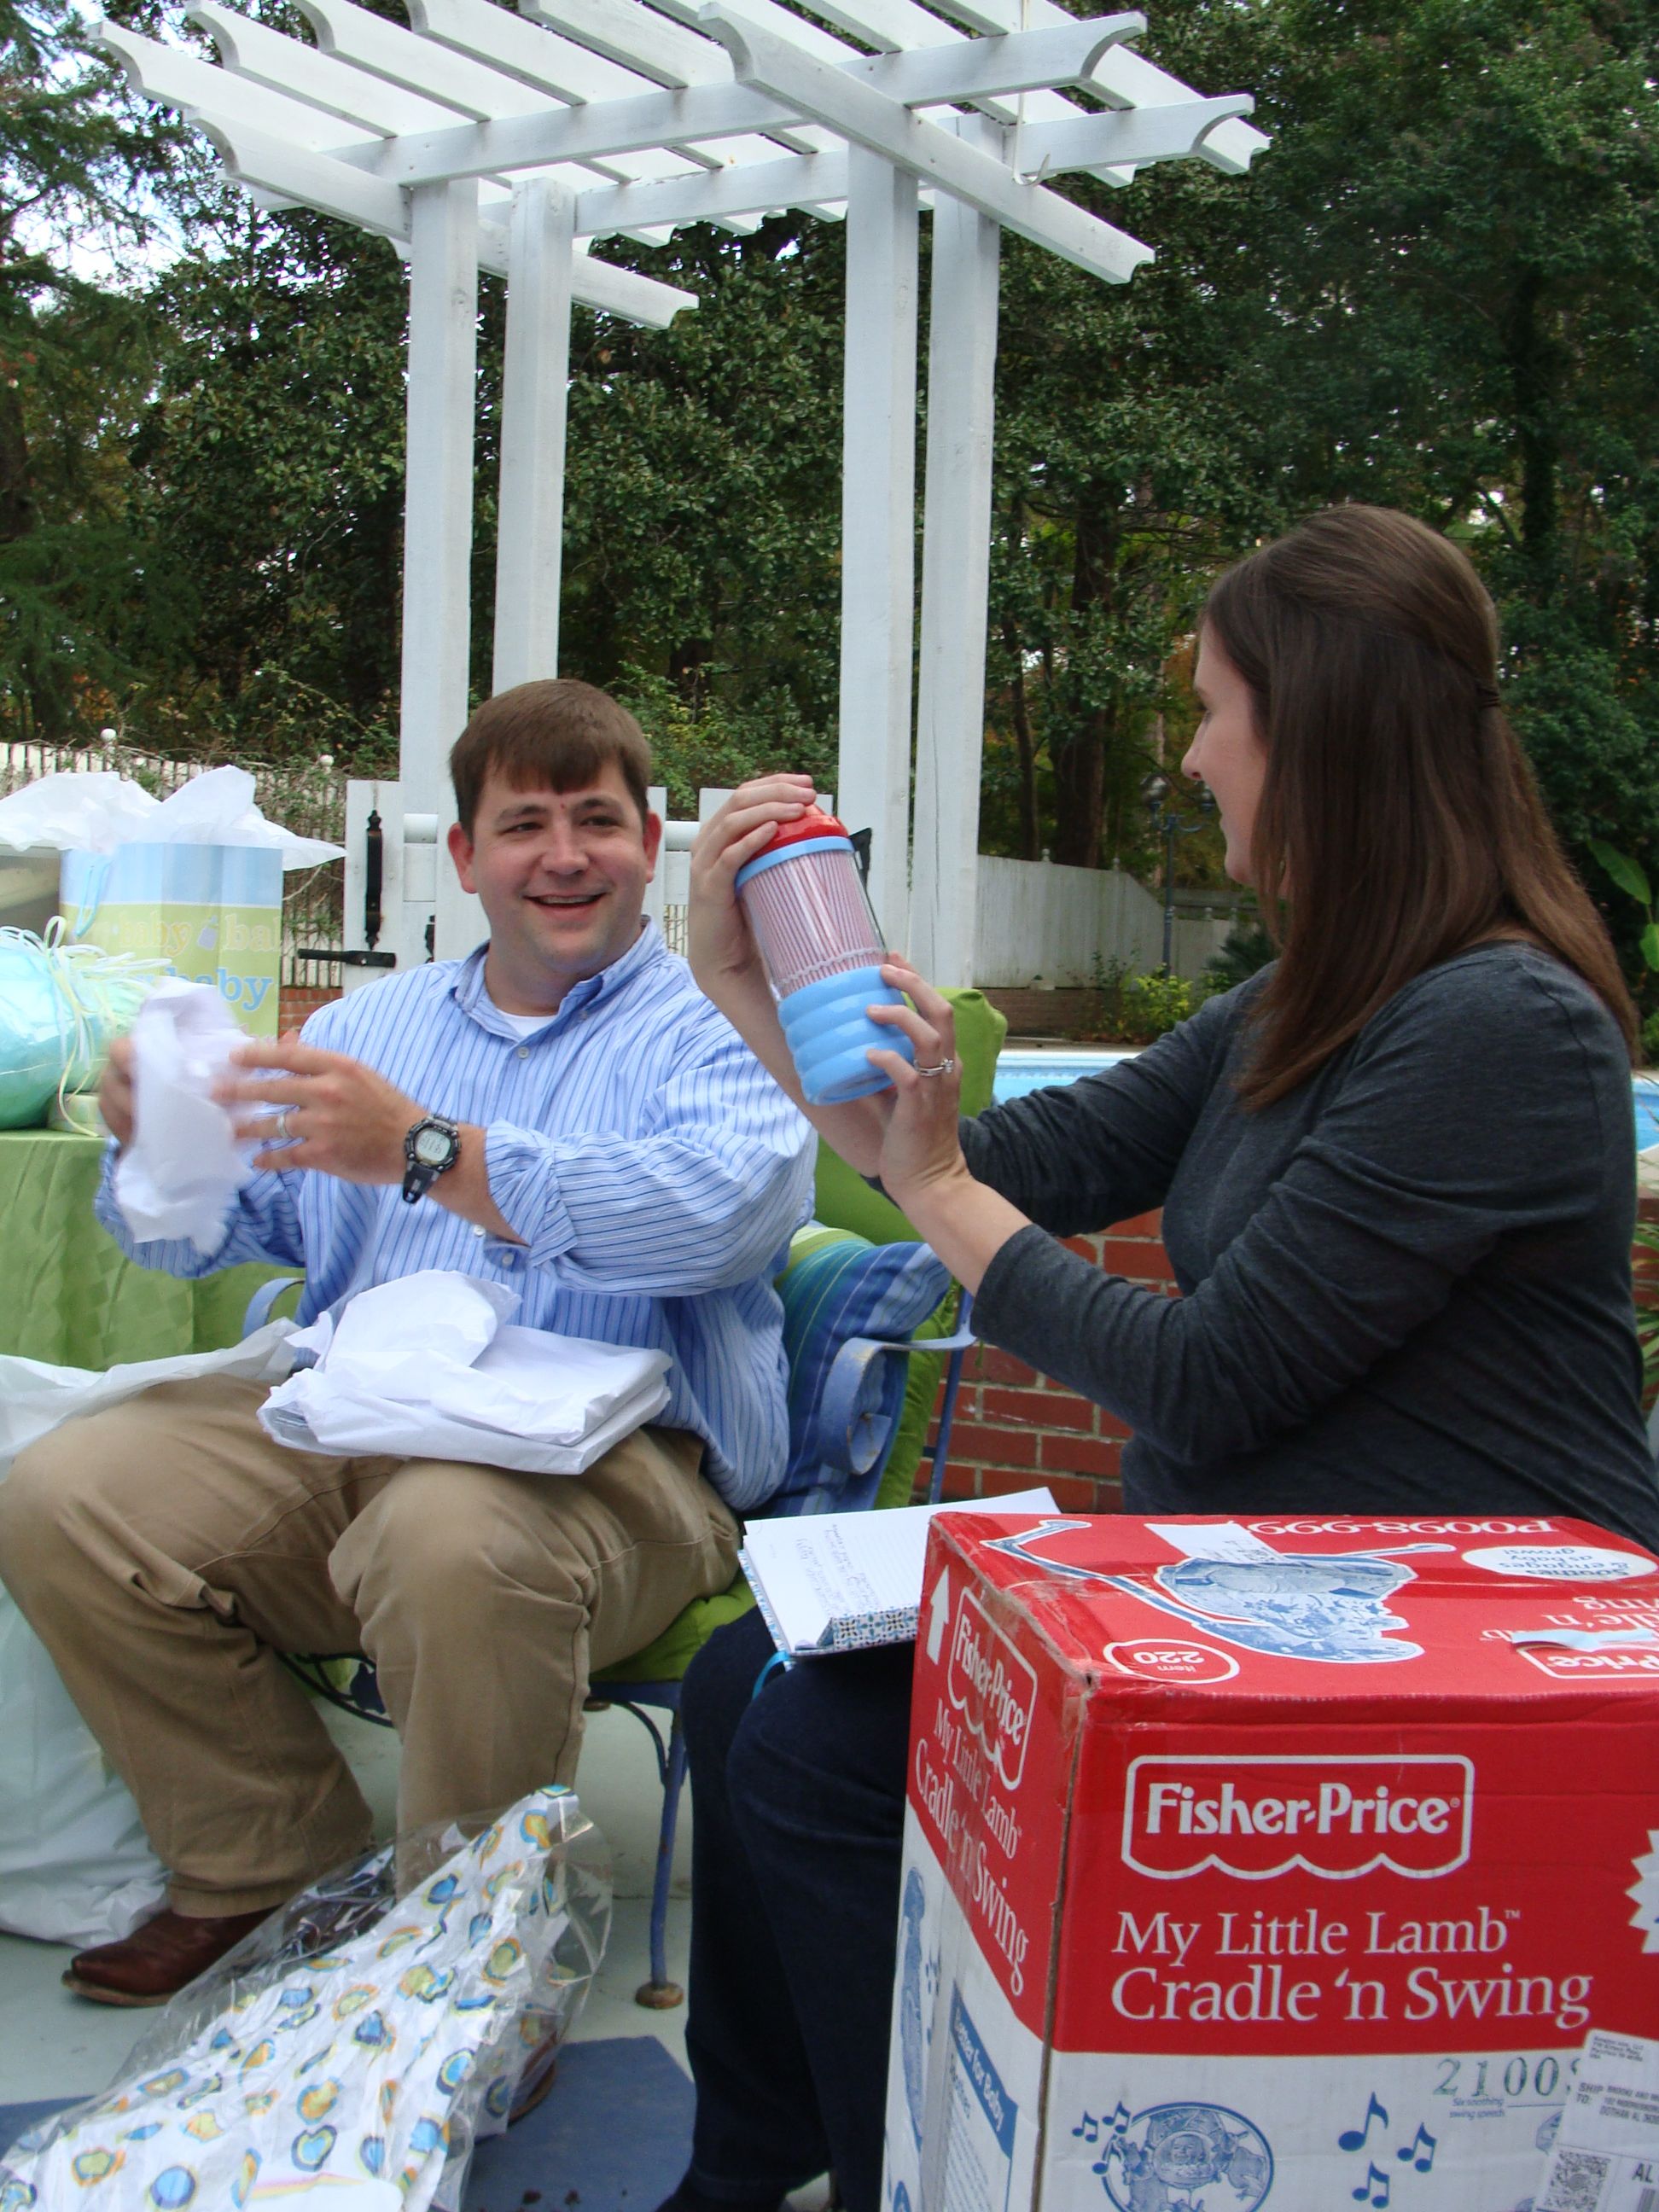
{"type": "Point", "coordinates": [1135, 1009]}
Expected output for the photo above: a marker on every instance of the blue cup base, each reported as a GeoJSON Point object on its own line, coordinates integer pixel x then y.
{"type": "Point", "coordinates": [830, 1036]}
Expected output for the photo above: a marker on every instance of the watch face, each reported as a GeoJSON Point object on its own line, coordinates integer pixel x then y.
{"type": "Point", "coordinates": [433, 1148]}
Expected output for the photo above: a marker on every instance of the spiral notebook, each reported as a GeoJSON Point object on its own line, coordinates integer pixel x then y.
{"type": "Point", "coordinates": [846, 1582]}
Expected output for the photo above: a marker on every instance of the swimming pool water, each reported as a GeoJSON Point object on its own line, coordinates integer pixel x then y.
{"type": "Point", "coordinates": [1022, 1070]}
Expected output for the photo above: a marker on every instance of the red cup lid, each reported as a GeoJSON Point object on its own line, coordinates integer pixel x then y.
{"type": "Point", "coordinates": [814, 823]}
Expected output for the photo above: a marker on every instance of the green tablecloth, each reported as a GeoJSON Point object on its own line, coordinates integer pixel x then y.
{"type": "Point", "coordinates": [66, 1293]}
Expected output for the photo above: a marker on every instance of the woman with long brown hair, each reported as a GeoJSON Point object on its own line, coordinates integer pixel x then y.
{"type": "Point", "coordinates": [1397, 1176]}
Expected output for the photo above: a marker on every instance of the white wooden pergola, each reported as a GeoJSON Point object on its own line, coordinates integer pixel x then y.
{"type": "Point", "coordinates": [477, 139]}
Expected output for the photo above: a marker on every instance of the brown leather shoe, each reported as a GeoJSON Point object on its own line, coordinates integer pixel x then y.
{"type": "Point", "coordinates": [156, 1961]}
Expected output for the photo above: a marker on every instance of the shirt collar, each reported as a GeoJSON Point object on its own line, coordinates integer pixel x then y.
{"type": "Point", "coordinates": [469, 992]}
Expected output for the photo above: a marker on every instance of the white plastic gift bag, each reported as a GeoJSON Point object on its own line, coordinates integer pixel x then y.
{"type": "Point", "coordinates": [356, 2046]}
{"type": "Point", "coordinates": [75, 1864]}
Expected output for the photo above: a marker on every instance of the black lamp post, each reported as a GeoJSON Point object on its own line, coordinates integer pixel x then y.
{"type": "Point", "coordinates": [1155, 791]}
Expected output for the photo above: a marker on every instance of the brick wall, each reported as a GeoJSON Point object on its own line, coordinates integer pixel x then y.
{"type": "Point", "coordinates": [1015, 1429]}
{"type": "Point", "coordinates": [300, 1000]}
{"type": "Point", "coordinates": [1061, 1013]}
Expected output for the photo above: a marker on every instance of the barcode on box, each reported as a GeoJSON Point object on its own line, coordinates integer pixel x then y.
{"type": "Point", "coordinates": [1577, 2182]}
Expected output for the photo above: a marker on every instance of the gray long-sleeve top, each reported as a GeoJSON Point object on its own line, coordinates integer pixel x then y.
{"type": "Point", "coordinates": [1407, 1284]}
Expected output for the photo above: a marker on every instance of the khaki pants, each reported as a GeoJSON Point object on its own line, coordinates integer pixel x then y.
{"type": "Point", "coordinates": [165, 1551]}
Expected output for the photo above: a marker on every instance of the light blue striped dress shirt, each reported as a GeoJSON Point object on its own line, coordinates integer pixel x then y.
{"type": "Point", "coordinates": [654, 1170]}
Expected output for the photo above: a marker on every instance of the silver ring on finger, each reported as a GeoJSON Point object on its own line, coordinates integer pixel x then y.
{"type": "Point", "coordinates": [944, 1066]}
{"type": "Point", "coordinates": [284, 1134]}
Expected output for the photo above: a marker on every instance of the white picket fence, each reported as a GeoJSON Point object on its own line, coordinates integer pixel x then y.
{"type": "Point", "coordinates": [1041, 924]}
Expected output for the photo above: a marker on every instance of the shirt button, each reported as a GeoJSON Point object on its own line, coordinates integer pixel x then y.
{"type": "Point", "coordinates": [524, 1052]}
{"type": "Point", "coordinates": [509, 1259]}
{"type": "Point", "coordinates": [477, 1229]}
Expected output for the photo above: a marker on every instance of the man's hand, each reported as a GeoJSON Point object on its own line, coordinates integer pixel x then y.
{"type": "Point", "coordinates": [329, 1113]}
{"type": "Point", "coordinates": [724, 957]}
{"type": "Point", "coordinates": [325, 1111]}
{"type": "Point", "coordinates": [115, 1092]}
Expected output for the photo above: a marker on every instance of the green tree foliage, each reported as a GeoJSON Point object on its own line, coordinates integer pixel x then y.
{"type": "Point", "coordinates": [267, 480]}
{"type": "Point", "coordinates": [78, 170]}
{"type": "Point", "coordinates": [1439, 289]}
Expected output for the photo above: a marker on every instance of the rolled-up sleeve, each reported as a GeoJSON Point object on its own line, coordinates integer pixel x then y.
{"type": "Point", "coordinates": [704, 1195]}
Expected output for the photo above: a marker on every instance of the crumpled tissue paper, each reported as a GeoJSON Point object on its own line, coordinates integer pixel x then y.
{"type": "Point", "coordinates": [183, 1165]}
{"type": "Point", "coordinates": [95, 813]}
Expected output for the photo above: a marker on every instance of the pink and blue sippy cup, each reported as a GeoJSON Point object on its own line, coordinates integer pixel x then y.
{"type": "Point", "coordinates": [822, 948]}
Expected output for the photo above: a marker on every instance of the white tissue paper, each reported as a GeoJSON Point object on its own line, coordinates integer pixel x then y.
{"type": "Point", "coordinates": [97, 812]}
{"type": "Point", "coordinates": [183, 1165]}
{"type": "Point", "coordinates": [427, 1368]}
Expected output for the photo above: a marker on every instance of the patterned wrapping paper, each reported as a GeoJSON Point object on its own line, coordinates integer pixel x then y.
{"type": "Point", "coordinates": [359, 2077]}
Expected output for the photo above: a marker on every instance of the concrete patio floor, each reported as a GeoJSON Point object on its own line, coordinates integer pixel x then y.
{"type": "Point", "coordinates": [54, 2044]}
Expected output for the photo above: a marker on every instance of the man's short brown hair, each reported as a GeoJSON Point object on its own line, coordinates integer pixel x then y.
{"type": "Point", "coordinates": [549, 735]}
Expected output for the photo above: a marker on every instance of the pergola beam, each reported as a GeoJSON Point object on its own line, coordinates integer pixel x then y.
{"type": "Point", "coordinates": [980, 69]}
{"type": "Point", "coordinates": [550, 63]}
{"type": "Point", "coordinates": [334, 187]}
{"type": "Point", "coordinates": [176, 79]}
{"type": "Point", "coordinates": [866, 117]}
{"type": "Point", "coordinates": [1130, 134]}
{"type": "Point", "coordinates": [637, 37]}
{"type": "Point", "coordinates": [264, 57]}
{"type": "Point", "coordinates": [793, 181]}
{"type": "Point", "coordinates": [1123, 77]}
{"type": "Point", "coordinates": [571, 134]}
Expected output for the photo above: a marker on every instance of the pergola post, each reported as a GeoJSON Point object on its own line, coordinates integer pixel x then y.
{"type": "Point", "coordinates": [535, 377]}
{"type": "Point", "coordinates": [955, 579]}
{"type": "Point", "coordinates": [443, 319]}
{"type": "Point", "coordinates": [878, 536]}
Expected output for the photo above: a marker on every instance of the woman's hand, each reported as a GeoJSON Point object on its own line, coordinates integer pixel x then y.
{"type": "Point", "coordinates": [919, 1151]}
{"type": "Point", "coordinates": [720, 944]}
{"type": "Point", "coordinates": [921, 1164]}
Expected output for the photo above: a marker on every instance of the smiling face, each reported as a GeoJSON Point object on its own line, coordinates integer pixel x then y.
{"type": "Point", "coordinates": [1227, 753]}
{"type": "Point", "coordinates": [562, 877]}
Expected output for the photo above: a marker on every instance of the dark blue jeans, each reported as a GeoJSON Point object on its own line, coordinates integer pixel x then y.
{"type": "Point", "coordinates": [798, 1798]}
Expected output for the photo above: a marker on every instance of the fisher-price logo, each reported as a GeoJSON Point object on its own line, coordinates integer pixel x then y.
{"type": "Point", "coordinates": [1338, 1818]}
{"type": "Point", "coordinates": [992, 1687]}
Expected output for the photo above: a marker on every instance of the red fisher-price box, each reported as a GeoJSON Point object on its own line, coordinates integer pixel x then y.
{"type": "Point", "coordinates": [1269, 1861]}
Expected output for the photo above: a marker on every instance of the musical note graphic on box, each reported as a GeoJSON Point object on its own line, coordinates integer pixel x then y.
{"type": "Point", "coordinates": [1357, 2138]}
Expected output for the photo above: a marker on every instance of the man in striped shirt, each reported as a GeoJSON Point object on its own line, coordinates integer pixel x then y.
{"type": "Point", "coordinates": [561, 1112]}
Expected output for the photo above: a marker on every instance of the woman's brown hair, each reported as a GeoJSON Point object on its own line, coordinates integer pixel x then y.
{"type": "Point", "coordinates": [1399, 818]}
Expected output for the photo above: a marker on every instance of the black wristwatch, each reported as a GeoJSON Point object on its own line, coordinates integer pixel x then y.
{"type": "Point", "coordinates": [430, 1147]}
